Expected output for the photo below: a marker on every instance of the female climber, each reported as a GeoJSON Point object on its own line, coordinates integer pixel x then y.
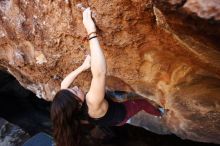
{"type": "Point", "coordinates": [70, 105]}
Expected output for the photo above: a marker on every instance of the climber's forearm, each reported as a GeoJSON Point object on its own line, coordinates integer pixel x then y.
{"type": "Point", "coordinates": [70, 77]}
{"type": "Point", "coordinates": [98, 63]}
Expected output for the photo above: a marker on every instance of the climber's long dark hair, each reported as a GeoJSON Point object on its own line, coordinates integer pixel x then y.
{"type": "Point", "coordinates": [65, 117]}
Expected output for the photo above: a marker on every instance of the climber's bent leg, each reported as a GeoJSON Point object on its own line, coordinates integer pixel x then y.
{"type": "Point", "coordinates": [134, 106]}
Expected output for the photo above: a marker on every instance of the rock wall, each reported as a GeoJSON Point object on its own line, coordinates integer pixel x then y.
{"type": "Point", "coordinates": [11, 135]}
{"type": "Point", "coordinates": [168, 48]}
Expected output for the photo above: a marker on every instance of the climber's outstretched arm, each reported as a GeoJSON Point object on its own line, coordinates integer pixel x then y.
{"type": "Point", "coordinates": [70, 77]}
{"type": "Point", "coordinates": [95, 97]}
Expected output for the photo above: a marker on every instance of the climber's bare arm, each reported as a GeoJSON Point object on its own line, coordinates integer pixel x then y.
{"type": "Point", "coordinates": [95, 97]}
{"type": "Point", "coordinates": [70, 77]}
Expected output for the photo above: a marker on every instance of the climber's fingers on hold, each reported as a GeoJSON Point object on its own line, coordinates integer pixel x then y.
{"type": "Point", "coordinates": [87, 13]}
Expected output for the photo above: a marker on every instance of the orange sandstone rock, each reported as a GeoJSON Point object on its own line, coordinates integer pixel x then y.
{"type": "Point", "coordinates": [150, 46]}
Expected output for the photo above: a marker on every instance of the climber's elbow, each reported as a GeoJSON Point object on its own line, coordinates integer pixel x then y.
{"type": "Point", "coordinates": [63, 85]}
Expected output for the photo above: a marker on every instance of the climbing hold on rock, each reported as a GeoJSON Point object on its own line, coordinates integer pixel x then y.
{"type": "Point", "coordinates": [40, 57]}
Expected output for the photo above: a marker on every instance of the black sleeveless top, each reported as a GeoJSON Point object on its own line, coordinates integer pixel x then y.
{"type": "Point", "coordinates": [114, 116]}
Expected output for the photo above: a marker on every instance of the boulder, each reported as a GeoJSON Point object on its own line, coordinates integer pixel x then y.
{"type": "Point", "coordinates": [167, 48]}
{"type": "Point", "coordinates": [11, 135]}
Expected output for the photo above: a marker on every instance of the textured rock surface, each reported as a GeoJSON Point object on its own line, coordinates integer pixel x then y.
{"type": "Point", "coordinates": [203, 8]}
{"type": "Point", "coordinates": [11, 135]}
{"type": "Point", "coordinates": [169, 48]}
